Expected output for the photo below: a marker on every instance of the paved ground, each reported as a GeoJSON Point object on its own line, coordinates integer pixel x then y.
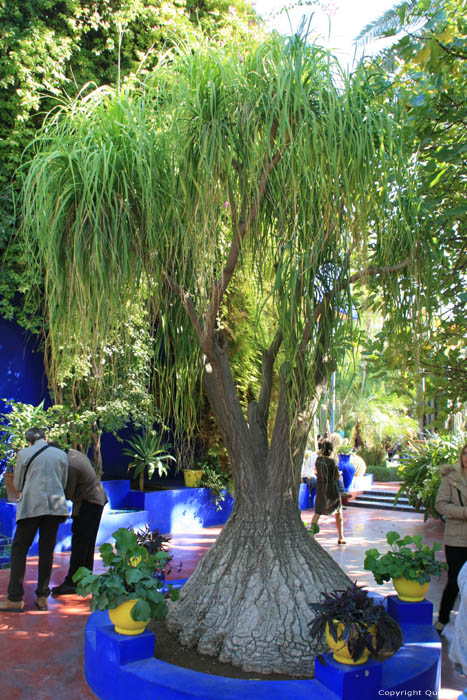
{"type": "Point", "coordinates": [42, 652]}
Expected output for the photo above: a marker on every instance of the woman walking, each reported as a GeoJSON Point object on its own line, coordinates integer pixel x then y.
{"type": "Point", "coordinates": [451, 501]}
{"type": "Point", "coordinates": [328, 499]}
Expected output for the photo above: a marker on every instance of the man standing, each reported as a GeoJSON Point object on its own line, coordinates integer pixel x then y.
{"type": "Point", "coordinates": [40, 474]}
{"type": "Point", "coordinates": [89, 498]}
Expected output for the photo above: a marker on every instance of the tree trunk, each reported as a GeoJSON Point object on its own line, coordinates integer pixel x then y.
{"type": "Point", "coordinates": [96, 452]}
{"type": "Point", "coordinates": [248, 600]}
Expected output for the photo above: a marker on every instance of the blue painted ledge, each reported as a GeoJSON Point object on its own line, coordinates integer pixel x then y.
{"type": "Point", "coordinates": [172, 510]}
{"type": "Point", "coordinates": [118, 667]}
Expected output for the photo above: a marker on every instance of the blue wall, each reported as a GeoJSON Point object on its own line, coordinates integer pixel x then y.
{"type": "Point", "coordinates": [23, 378]}
{"type": "Point", "coordinates": [22, 375]}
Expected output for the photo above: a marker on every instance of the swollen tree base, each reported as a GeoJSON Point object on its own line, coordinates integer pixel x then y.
{"type": "Point", "coordinates": [247, 602]}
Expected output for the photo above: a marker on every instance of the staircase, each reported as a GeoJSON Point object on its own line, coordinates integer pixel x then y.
{"type": "Point", "coordinates": [383, 500]}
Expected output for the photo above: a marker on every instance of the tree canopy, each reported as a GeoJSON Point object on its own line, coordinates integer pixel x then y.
{"type": "Point", "coordinates": [226, 167]}
{"type": "Point", "coordinates": [50, 49]}
{"type": "Point", "coordinates": [428, 65]}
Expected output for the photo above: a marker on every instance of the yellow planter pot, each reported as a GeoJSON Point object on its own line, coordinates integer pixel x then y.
{"type": "Point", "coordinates": [124, 623]}
{"type": "Point", "coordinates": [340, 650]}
{"type": "Point", "coordinates": [193, 477]}
{"type": "Point", "coordinates": [410, 591]}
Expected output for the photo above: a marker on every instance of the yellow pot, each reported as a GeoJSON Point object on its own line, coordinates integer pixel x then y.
{"type": "Point", "coordinates": [340, 650]}
{"type": "Point", "coordinates": [193, 477]}
{"type": "Point", "coordinates": [124, 623]}
{"type": "Point", "coordinates": [410, 591]}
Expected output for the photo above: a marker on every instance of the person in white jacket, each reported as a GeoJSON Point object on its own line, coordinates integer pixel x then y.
{"type": "Point", "coordinates": [458, 650]}
{"type": "Point", "coordinates": [40, 475]}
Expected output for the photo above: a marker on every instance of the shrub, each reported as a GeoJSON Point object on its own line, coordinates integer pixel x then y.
{"type": "Point", "coordinates": [419, 469]}
{"type": "Point", "coordinates": [373, 455]}
{"type": "Point", "coordinates": [383, 473]}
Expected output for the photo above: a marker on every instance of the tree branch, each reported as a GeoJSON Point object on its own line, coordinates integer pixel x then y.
{"type": "Point", "coordinates": [269, 357]}
{"type": "Point", "coordinates": [240, 229]}
{"type": "Point", "coordinates": [187, 302]}
{"type": "Point", "coordinates": [367, 272]}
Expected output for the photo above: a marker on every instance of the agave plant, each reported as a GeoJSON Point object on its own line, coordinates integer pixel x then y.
{"type": "Point", "coordinates": [147, 450]}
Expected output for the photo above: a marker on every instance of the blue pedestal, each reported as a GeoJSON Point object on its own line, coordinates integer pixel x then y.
{"type": "Point", "coordinates": [124, 649]}
{"type": "Point", "coordinates": [350, 682]}
{"type": "Point", "coordinates": [410, 613]}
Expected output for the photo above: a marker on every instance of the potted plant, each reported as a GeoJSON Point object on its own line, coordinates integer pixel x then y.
{"type": "Point", "coordinates": [354, 626]}
{"type": "Point", "coordinates": [128, 588]}
{"type": "Point", "coordinates": [345, 449]}
{"type": "Point", "coordinates": [153, 542]}
{"type": "Point", "coordinates": [345, 465]}
{"type": "Point", "coordinates": [147, 451]}
{"type": "Point", "coordinates": [409, 564]}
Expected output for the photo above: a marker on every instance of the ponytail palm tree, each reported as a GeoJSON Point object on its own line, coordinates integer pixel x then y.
{"type": "Point", "coordinates": [272, 163]}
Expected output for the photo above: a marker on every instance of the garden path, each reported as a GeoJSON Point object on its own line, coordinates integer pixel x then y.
{"type": "Point", "coordinates": [42, 652]}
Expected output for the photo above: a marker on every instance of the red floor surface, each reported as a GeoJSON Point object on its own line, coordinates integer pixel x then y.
{"type": "Point", "coordinates": [42, 652]}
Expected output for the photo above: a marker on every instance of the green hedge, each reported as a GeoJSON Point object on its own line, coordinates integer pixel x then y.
{"type": "Point", "coordinates": [383, 473]}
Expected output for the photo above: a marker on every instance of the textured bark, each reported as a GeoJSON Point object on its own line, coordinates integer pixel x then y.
{"type": "Point", "coordinates": [248, 600]}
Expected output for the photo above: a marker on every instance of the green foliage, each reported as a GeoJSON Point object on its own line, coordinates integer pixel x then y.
{"type": "Point", "coordinates": [403, 560]}
{"type": "Point", "coordinates": [313, 528]}
{"type": "Point", "coordinates": [374, 396]}
{"type": "Point", "coordinates": [357, 612]}
{"type": "Point", "coordinates": [49, 52]}
{"type": "Point", "coordinates": [429, 64]}
{"type": "Point", "coordinates": [51, 49]}
{"type": "Point", "coordinates": [419, 470]}
{"type": "Point", "coordinates": [383, 473]}
{"type": "Point", "coordinates": [182, 156]}
{"type": "Point", "coordinates": [148, 451]}
{"type": "Point", "coordinates": [129, 575]}
{"type": "Point", "coordinates": [215, 477]}
{"type": "Point", "coordinates": [345, 449]}
{"type": "Point", "coordinates": [374, 455]}
{"type": "Point", "coordinates": [14, 424]}
{"type": "Point", "coordinates": [68, 426]}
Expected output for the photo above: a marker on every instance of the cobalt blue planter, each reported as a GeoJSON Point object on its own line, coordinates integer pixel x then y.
{"type": "Point", "coordinates": [347, 469]}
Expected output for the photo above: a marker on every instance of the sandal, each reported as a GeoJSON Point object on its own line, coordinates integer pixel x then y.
{"type": "Point", "coordinates": [341, 541]}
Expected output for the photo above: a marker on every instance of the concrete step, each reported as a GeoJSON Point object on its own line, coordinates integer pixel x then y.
{"type": "Point", "coordinates": [382, 500]}
{"type": "Point", "coordinates": [389, 498]}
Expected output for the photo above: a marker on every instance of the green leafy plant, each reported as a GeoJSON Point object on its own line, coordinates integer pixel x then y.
{"type": "Point", "coordinates": [15, 422]}
{"type": "Point", "coordinates": [419, 469]}
{"type": "Point", "coordinates": [147, 451]}
{"type": "Point", "coordinates": [215, 478]}
{"type": "Point", "coordinates": [129, 575]}
{"type": "Point", "coordinates": [313, 528]}
{"type": "Point", "coordinates": [357, 612]}
{"type": "Point", "coordinates": [154, 542]}
{"type": "Point", "coordinates": [345, 449]}
{"type": "Point", "coordinates": [403, 560]}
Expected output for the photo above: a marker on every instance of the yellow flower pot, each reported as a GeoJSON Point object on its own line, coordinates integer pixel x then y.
{"type": "Point", "coordinates": [193, 477]}
{"type": "Point", "coordinates": [124, 623]}
{"type": "Point", "coordinates": [340, 650]}
{"type": "Point", "coordinates": [410, 591]}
